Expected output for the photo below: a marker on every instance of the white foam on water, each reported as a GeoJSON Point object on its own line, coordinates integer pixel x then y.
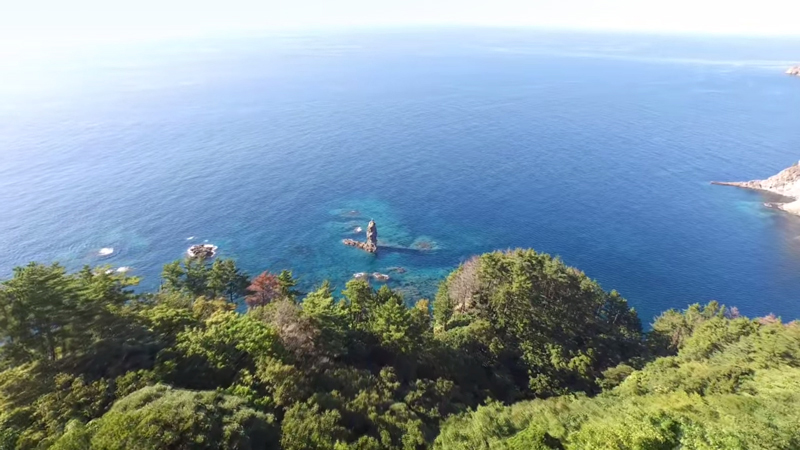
{"type": "Point", "coordinates": [105, 251]}
{"type": "Point", "coordinates": [123, 269]}
{"type": "Point", "coordinates": [190, 238]}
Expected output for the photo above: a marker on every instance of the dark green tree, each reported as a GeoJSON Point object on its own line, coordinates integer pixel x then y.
{"type": "Point", "coordinates": [286, 285]}
{"type": "Point", "coordinates": [392, 323]}
{"type": "Point", "coordinates": [189, 276]}
{"type": "Point", "coordinates": [46, 314]}
{"type": "Point", "coordinates": [358, 303]}
{"type": "Point", "coordinates": [227, 280]}
{"type": "Point", "coordinates": [36, 307]}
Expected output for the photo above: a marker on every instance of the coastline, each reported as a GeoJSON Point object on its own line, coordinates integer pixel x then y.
{"type": "Point", "coordinates": [785, 183]}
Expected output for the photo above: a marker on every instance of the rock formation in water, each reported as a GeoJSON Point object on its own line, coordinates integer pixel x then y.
{"type": "Point", "coordinates": [785, 183]}
{"type": "Point", "coordinates": [793, 71]}
{"type": "Point", "coordinates": [204, 251]}
{"type": "Point", "coordinates": [377, 276]}
{"type": "Point", "coordinates": [371, 245]}
{"type": "Point", "coordinates": [372, 236]}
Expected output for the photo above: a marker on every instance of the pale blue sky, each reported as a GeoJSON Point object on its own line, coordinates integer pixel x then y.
{"type": "Point", "coordinates": [64, 20]}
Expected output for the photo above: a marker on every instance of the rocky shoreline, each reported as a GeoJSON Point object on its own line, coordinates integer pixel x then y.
{"type": "Point", "coordinates": [785, 183]}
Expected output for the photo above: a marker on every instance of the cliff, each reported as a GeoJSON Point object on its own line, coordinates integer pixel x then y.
{"type": "Point", "coordinates": [785, 183]}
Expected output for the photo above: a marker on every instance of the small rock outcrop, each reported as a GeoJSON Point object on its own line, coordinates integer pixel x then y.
{"type": "Point", "coordinates": [371, 245]}
{"type": "Point", "coordinates": [377, 276]}
{"type": "Point", "coordinates": [793, 71]}
{"type": "Point", "coordinates": [785, 183]}
{"type": "Point", "coordinates": [204, 251]}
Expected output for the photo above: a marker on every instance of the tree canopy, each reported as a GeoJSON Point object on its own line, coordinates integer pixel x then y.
{"type": "Point", "coordinates": [728, 382]}
{"type": "Point", "coordinates": [517, 351]}
{"type": "Point", "coordinates": [544, 325]}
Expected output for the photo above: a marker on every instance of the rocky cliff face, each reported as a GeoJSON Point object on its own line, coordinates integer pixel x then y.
{"type": "Point", "coordinates": [794, 71]}
{"type": "Point", "coordinates": [785, 182]}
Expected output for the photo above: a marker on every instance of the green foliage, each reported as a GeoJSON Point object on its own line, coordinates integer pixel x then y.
{"type": "Point", "coordinates": [188, 276]}
{"type": "Point", "coordinates": [392, 325]}
{"type": "Point", "coordinates": [160, 417]}
{"type": "Point", "coordinates": [77, 436]}
{"type": "Point", "coordinates": [307, 427]}
{"type": "Point", "coordinates": [734, 384]}
{"type": "Point", "coordinates": [228, 342]}
{"type": "Point", "coordinates": [548, 322]}
{"type": "Point", "coordinates": [614, 376]}
{"type": "Point", "coordinates": [85, 363]}
{"type": "Point", "coordinates": [672, 328]}
{"type": "Point", "coordinates": [358, 303]}
{"type": "Point", "coordinates": [286, 284]}
{"type": "Point", "coordinates": [226, 280]}
{"type": "Point", "coordinates": [46, 314]}
{"type": "Point", "coordinates": [197, 278]}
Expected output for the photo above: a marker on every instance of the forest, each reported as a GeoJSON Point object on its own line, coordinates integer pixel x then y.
{"type": "Point", "coordinates": [517, 350]}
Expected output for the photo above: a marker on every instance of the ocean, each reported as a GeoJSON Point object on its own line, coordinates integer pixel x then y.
{"type": "Point", "coordinates": [598, 148]}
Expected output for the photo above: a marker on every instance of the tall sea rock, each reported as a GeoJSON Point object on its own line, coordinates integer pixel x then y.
{"type": "Point", "coordinates": [372, 236]}
{"type": "Point", "coordinates": [371, 244]}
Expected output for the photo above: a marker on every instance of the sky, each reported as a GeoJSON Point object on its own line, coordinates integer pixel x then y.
{"type": "Point", "coordinates": [60, 21]}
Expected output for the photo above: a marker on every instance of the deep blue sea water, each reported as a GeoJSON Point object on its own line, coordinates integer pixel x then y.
{"type": "Point", "coordinates": [597, 148]}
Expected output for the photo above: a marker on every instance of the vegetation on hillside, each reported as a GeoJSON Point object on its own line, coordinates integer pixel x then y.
{"type": "Point", "coordinates": [726, 382]}
{"type": "Point", "coordinates": [517, 351]}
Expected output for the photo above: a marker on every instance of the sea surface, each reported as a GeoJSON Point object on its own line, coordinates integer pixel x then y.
{"type": "Point", "coordinates": [598, 148]}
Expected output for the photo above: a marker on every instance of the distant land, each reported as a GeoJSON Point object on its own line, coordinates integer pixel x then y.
{"type": "Point", "coordinates": [785, 183]}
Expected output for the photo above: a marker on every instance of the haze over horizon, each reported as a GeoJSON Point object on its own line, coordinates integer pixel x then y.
{"type": "Point", "coordinates": [23, 24]}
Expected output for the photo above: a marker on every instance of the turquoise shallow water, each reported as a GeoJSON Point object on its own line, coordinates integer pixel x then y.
{"type": "Point", "coordinates": [598, 148]}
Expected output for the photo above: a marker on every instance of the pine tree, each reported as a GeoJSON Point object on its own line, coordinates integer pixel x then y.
{"type": "Point", "coordinates": [226, 279]}
{"type": "Point", "coordinates": [286, 283]}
